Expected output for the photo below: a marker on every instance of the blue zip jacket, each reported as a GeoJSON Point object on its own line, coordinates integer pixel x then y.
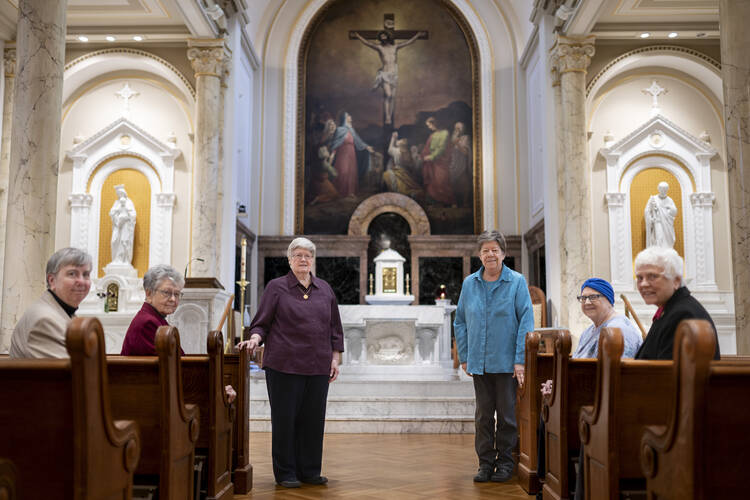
{"type": "Point", "coordinates": [492, 320]}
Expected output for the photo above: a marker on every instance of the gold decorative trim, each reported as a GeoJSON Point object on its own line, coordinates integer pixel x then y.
{"type": "Point", "coordinates": [299, 181]}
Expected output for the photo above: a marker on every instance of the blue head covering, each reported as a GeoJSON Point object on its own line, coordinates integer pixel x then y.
{"type": "Point", "coordinates": [601, 286]}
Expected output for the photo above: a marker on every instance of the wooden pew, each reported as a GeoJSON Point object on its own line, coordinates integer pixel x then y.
{"type": "Point", "coordinates": [573, 387]}
{"type": "Point", "coordinates": [237, 374]}
{"type": "Point", "coordinates": [148, 389]}
{"type": "Point", "coordinates": [702, 451]}
{"type": "Point", "coordinates": [57, 427]}
{"type": "Point", "coordinates": [202, 383]}
{"type": "Point", "coordinates": [630, 394]}
{"type": "Point", "coordinates": [538, 369]}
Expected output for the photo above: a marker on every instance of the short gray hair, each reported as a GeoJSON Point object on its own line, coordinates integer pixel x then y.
{"type": "Point", "coordinates": [302, 243]}
{"type": "Point", "coordinates": [159, 272]}
{"type": "Point", "coordinates": [666, 258]}
{"type": "Point", "coordinates": [493, 235]}
{"type": "Point", "coordinates": [68, 256]}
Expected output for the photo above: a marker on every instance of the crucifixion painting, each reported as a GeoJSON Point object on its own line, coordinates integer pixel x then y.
{"type": "Point", "coordinates": [386, 43]}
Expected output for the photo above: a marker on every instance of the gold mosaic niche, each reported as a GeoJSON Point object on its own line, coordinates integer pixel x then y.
{"type": "Point", "coordinates": [139, 191]}
{"type": "Point", "coordinates": [644, 185]}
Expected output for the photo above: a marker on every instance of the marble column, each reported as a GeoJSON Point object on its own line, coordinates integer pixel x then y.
{"type": "Point", "coordinates": [34, 156]}
{"type": "Point", "coordinates": [9, 61]}
{"type": "Point", "coordinates": [208, 58]}
{"type": "Point", "coordinates": [735, 68]}
{"type": "Point", "coordinates": [570, 58]}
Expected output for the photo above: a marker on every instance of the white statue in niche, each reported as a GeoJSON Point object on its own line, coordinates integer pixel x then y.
{"type": "Point", "coordinates": [123, 227]}
{"type": "Point", "coordinates": [660, 214]}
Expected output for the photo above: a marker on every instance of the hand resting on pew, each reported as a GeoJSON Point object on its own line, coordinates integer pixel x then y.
{"type": "Point", "coordinates": [230, 392]}
{"type": "Point", "coordinates": [251, 344]}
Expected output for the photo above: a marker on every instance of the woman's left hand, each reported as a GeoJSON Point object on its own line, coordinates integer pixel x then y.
{"type": "Point", "coordinates": [518, 372]}
{"type": "Point", "coordinates": [230, 392]}
{"type": "Point", "coordinates": [334, 367]}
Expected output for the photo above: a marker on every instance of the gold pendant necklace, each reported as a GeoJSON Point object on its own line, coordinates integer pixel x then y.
{"type": "Point", "coordinates": [306, 292]}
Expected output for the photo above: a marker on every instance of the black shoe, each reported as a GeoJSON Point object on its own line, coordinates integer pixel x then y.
{"type": "Point", "coordinates": [501, 475]}
{"type": "Point", "coordinates": [315, 480]}
{"type": "Point", "coordinates": [483, 475]}
{"type": "Point", "coordinates": [290, 483]}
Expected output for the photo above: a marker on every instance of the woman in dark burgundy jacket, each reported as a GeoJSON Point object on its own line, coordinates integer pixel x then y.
{"type": "Point", "coordinates": [163, 286]}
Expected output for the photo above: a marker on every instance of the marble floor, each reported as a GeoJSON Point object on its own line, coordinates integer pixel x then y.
{"type": "Point", "coordinates": [385, 466]}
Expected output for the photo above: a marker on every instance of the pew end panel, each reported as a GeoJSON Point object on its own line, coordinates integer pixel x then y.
{"type": "Point", "coordinates": [538, 369]}
{"type": "Point", "coordinates": [237, 374]}
{"type": "Point", "coordinates": [629, 396]}
{"type": "Point", "coordinates": [149, 390]}
{"type": "Point", "coordinates": [701, 452]}
{"type": "Point", "coordinates": [203, 386]}
{"type": "Point", "coordinates": [70, 445]}
{"type": "Point", "coordinates": [573, 386]}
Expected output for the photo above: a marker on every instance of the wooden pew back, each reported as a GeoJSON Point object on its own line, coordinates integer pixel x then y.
{"type": "Point", "coordinates": [702, 450]}
{"type": "Point", "coordinates": [149, 390]}
{"type": "Point", "coordinates": [57, 426]}
{"type": "Point", "coordinates": [7, 480]}
{"type": "Point", "coordinates": [237, 374]}
{"type": "Point", "coordinates": [573, 386]}
{"type": "Point", "coordinates": [538, 369]}
{"type": "Point", "coordinates": [630, 394]}
{"type": "Point", "coordinates": [202, 383]}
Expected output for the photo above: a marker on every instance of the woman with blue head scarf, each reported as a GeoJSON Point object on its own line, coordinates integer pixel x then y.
{"type": "Point", "coordinates": [344, 146]}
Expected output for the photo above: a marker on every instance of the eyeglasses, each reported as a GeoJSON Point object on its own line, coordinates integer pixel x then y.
{"type": "Point", "coordinates": [594, 297]}
{"type": "Point", "coordinates": [650, 277]}
{"type": "Point", "coordinates": [302, 256]}
{"type": "Point", "coordinates": [488, 251]}
{"type": "Point", "coordinates": [168, 294]}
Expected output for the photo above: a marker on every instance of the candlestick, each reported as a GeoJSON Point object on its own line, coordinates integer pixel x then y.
{"type": "Point", "coordinates": [408, 292]}
{"type": "Point", "coordinates": [371, 281]}
{"type": "Point", "coordinates": [243, 260]}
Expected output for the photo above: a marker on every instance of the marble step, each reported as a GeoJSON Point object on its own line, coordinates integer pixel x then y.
{"type": "Point", "coordinates": [383, 406]}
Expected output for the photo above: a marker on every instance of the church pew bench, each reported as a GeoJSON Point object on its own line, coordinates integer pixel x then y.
{"type": "Point", "coordinates": [237, 374]}
{"type": "Point", "coordinates": [57, 424]}
{"type": "Point", "coordinates": [573, 386]}
{"type": "Point", "coordinates": [538, 369]}
{"type": "Point", "coordinates": [703, 449]}
{"type": "Point", "coordinates": [148, 389]}
{"type": "Point", "coordinates": [630, 395]}
{"type": "Point", "coordinates": [202, 384]}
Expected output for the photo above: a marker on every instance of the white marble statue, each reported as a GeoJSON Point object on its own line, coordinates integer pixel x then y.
{"type": "Point", "coordinates": [660, 213]}
{"type": "Point", "coordinates": [123, 227]}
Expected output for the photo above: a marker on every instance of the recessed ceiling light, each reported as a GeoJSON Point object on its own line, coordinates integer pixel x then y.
{"type": "Point", "coordinates": [82, 38]}
{"type": "Point", "coordinates": [644, 35]}
{"type": "Point", "coordinates": [137, 38]}
{"type": "Point", "coordinates": [110, 38]}
{"type": "Point", "coordinates": [673, 35]}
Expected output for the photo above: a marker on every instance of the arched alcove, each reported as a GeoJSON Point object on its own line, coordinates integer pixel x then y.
{"type": "Point", "coordinates": [389, 202]}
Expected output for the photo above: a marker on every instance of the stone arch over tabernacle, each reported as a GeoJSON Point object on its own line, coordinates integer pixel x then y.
{"type": "Point", "coordinates": [389, 202]}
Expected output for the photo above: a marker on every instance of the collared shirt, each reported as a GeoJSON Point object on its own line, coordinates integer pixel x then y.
{"type": "Point", "coordinates": [492, 320]}
{"type": "Point", "coordinates": [140, 339]}
{"type": "Point", "coordinates": [588, 344]}
{"type": "Point", "coordinates": [299, 334]}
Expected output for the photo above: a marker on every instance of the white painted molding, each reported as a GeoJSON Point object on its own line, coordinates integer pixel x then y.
{"type": "Point", "coordinates": [122, 144]}
{"type": "Point", "coordinates": [688, 159]}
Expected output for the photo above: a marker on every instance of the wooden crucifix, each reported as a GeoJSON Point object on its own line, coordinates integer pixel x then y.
{"type": "Point", "coordinates": [386, 43]}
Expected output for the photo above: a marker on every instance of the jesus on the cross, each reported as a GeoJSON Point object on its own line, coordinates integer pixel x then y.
{"type": "Point", "coordinates": [387, 47]}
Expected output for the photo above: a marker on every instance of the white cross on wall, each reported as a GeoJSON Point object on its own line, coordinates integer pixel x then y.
{"type": "Point", "coordinates": [126, 94]}
{"type": "Point", "coordinates": [655, 90]}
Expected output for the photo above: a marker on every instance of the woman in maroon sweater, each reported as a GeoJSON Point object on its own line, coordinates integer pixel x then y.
{"type": "Point", "coordinates": [163, 286]}
{"type": "Point", "coordinates": [298, 322]}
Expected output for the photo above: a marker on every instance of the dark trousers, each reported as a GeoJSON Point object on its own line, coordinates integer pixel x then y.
{"type": "Point", "coordinates": [298, 411]}
{"type": "Point", "coordinates": [494, 443]}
